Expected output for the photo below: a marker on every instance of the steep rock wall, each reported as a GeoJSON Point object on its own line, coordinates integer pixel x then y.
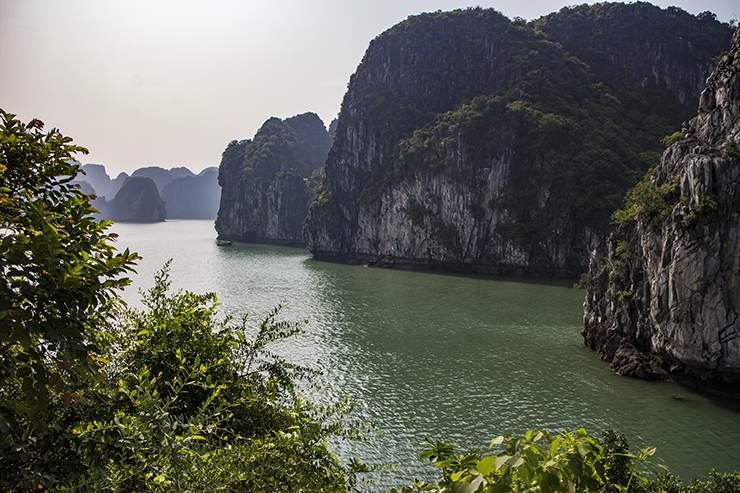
{"type": "Point", "coordinates": [665, 296]}
{"type": "Point", "coordinates": [654, 47]}
{"type": "Point", "coordinates": [470, 142]}
{"type": "Point", "coordinates": [265, 182]}
{"type": "Point", "coordinates": [136, 201]}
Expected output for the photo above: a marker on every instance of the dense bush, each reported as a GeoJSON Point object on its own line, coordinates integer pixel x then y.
{"type": "Point", "coordinates": [649, 202]}
{"type": "Point", "coordinates": [98, 397]}
{"type": "Point", "coordinates": [197, 406]}
{"type": "Point", "coordinates": [58, 276]}
{"type": "Point", "coordinates": [189, 403]}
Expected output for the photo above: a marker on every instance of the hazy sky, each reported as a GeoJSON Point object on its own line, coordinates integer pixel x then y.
{"type": "Point", "coordinates": [170, 82]}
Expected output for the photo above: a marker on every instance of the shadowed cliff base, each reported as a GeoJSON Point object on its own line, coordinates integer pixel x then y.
{"type": "Point", "coordinates": [416, 264]}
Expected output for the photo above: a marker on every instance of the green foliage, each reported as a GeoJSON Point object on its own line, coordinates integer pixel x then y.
{"type": "Point", "coordinates": [297, 144]}
{"type": "Point", "coordinates": [617, 458]}
{"type": "Point", "coordinates": [57, 288]}
{"type": "Point", "coordinates": [538, 461]}
{"type": "Point", "coordinates": [648, 202]}
{"type": "Point", "coordinates": [619, 276]}
{"type": "Point", "coordinates": [323, 197]}
{"type": "Point", "coordinates": [669, 140]}
{"type": "Point", "coordinates": [314, 181]}
{"type": "Point", "coordinates": [190, 403]}
{"type": "Point", "coordinates": [543, 462]}
{"type": "Point", "coordinates": [584, 281]}
{"type": "Point", "coordinates": [181, 401]}
{"type": "Point", "coordinates": [707, 208]}
{"type": "Point", "coordinates": [730, 149]}
{"type": "Point", "coordinates": [717, 483]}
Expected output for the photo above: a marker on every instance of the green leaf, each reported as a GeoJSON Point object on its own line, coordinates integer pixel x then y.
{"type": "Point", "coordinates": [486, 465]}
{"type": "Point", "coordinates": [554, 446]}
{"type": "Point", "coordinates": [583, 447]}
{"type": "Point", "coordinates": [477, 483]}
{"type": "Point", "coordinates": [518, 462]}
{"type": "Point", "coordinates": [501, 460]}
{"type": "Point", "coordinates": [648, 451]}
{"type": "Point", "coordinates": [456, 476]}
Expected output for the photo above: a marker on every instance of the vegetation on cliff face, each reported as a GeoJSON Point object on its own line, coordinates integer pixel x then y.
{"type": "Point", "coordinates": [453, 95]}
{"type": "Point", "coordinates": [648, 57]}
{"type": "Point", "coordinates": [662, 301]}
{"type": "Point", "coordinates": [265, 181]}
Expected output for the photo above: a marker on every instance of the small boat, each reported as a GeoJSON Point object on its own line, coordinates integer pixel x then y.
{"type": "Point", "coordinates": [224, 243]}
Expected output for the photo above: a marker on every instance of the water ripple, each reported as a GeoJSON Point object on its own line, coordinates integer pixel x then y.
{"type": "Point", "coordinates": [437, 356]}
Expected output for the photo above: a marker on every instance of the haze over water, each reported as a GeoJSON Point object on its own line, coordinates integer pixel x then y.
{"type": "Point", "coordinates": [429, 355]}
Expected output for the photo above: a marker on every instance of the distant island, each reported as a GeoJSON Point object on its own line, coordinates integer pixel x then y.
{"type": "Point", "coordinates": [268, 181]}
{"type": "Point", "coordinates": [153, 194]}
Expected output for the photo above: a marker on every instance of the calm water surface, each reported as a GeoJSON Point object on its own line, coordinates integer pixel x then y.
{"type": "Point", "coordinates": [428, 355]}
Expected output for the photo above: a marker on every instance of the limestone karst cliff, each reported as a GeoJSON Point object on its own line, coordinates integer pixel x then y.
{"type": "Point", "coordinates": [136, 201]}
{"type": "Point", "coordinates": [266, 186]}
{"type": "Point", "coordinates": [664, 300]}
{"type": "Point", "coordinates": [186, 195]}
{"type": "Point", "coordinates": [467, 141]}
{"type": "Point", "coordinates": [193, 196]}
{"type": "Point", "coordinates": [161, 176]}
{"type": "Point", "coordinates": [96, 176]}
{"type": "Point", "coordinates": [653, 48]}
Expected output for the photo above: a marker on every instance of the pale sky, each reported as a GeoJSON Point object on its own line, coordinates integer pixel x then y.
{"type": "Point", "coordinates": [170, 82]}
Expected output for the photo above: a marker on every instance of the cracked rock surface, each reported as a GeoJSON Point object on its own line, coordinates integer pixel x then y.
{"type": "Point", "coordinates": [665, 294]}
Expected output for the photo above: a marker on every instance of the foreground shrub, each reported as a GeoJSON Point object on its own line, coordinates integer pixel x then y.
{"type": "Point", "coordinates": [189, 403]}
{"type": "Point", "coordinates": [566, 462]}
{"type": "Point", "coordinates": [58, 280]}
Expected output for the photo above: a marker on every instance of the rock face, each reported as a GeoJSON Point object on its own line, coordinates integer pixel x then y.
{"type": "Point", "coordinates": [98, 178]}
{"type": "Point", "coordinates": [470, 142]}
{"type": "Point", "coordinates": [664, 298]}
{"type": "Point", "coordinates": [193, 197]}
{"type": "Point", "coordinates": [137, 201]}
{"type": "Point", "coordinates": [162, 177]}
{"type": "Point", "coordinates": [651, 46]}
{"type": "Point", "coordinates": [266, 182]}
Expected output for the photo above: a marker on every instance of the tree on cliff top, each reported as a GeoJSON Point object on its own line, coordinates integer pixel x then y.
{"type": "Point", "coordinates": [59, 276]}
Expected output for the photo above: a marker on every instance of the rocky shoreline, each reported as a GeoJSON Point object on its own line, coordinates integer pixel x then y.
{"type": "Point", "coordinates": [664, 299]}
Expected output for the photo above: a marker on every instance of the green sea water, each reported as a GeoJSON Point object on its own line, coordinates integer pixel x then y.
{"type": "Point", "coordinates": [429, 355]}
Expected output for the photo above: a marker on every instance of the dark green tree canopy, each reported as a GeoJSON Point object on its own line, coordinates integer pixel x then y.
{"type": "Point", "coordinates": [59, 276]}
